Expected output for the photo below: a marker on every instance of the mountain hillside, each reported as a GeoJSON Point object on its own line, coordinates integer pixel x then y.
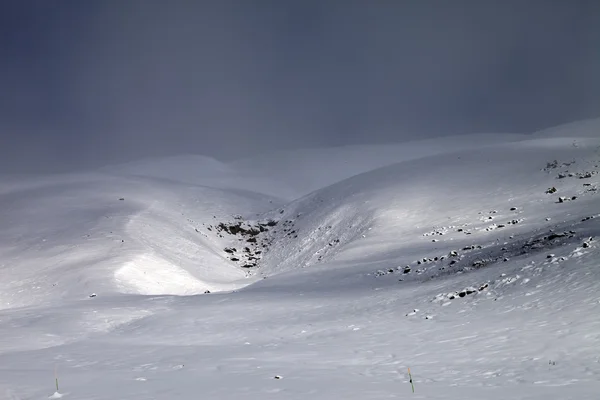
{"type": "Point", "coordinates": [325, 274]}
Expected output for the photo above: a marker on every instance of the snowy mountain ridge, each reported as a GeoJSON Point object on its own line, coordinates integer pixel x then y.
{"type": "Point", "coordinates": [472, 260]}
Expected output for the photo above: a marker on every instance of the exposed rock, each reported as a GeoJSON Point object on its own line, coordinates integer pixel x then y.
{"type": "Point", "coordinates": [551, 165]}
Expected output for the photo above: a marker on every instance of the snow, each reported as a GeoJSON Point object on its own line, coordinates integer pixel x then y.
{"type": "Point", "coordinates": [295, 173]}
{"type": "Point", "coordinates": [444, 256]}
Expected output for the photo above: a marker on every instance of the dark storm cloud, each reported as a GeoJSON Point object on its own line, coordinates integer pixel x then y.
{"type": "Point", "coordinates": [87, 83]}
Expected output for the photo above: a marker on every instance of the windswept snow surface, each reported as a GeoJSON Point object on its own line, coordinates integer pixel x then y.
{"type": "Point", "coordinates": [474, 263]}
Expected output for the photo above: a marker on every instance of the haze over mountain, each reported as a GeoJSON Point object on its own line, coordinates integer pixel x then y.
{"type": "Point", "coordinates": [97, 83]}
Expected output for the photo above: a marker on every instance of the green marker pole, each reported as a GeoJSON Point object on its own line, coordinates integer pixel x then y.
{"type": "Point", "coordinates": [411, 381]}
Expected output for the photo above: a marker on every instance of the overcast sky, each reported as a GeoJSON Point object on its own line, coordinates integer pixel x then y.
{"type": "Point", "coordinates": [85, 83]}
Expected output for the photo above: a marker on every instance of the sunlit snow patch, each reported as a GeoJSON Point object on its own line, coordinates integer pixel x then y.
{"type": "Point", "coordinates": [151, 275]}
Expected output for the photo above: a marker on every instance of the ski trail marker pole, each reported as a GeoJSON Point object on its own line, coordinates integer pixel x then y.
{"type": "Point", "coordinates": [411, 381]}
{"type": "Point", "coordinates": [56, 377]}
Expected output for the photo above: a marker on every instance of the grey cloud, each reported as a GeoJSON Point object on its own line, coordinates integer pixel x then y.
{"type": "Point", "coordinates": [100, 82]}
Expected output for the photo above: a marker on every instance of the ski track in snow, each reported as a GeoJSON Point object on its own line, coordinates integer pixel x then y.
{"type": "Point", "coordinates": [446, 257]}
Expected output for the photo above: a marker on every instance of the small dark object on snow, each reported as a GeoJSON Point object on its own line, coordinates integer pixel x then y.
{"type": "Point", "coordinates": [93, 295]}
{"type": "Point", "coordinates": [122, 198]}
{"type": "Point", "coordinates": [207, 292]}
{"type": "Point", "coordinates": [551, 190]}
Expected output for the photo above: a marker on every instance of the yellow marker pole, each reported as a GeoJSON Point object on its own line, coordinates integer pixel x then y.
{"type": "Point", "coordinates": [411, 381]}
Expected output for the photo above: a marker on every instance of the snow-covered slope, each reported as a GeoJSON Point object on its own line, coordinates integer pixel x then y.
{"type": "Point", "coordinates": [474, 264]}
{"type": "Point", "coordinates": [299, 172]}
{"type": "Point", "coordinates": [292, 174]}
{"type": "Point", "coordinates": [392, 214]}
{"type": "Point", "coordinates": [93, 233]}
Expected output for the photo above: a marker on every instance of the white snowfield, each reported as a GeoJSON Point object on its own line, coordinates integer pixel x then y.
{"type": "Point", "coordinates": [310, 274]}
